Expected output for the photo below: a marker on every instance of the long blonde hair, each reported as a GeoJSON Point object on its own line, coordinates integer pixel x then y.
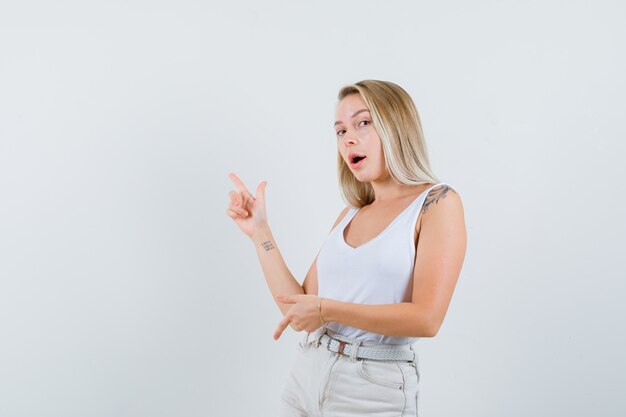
{"type": "Point", "coordinates": [398, 125]}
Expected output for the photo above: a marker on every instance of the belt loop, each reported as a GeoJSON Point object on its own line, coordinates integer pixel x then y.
{"type": "Point", "coordinates": [353, 348]}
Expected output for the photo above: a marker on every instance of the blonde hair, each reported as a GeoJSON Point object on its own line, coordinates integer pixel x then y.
{"type": "Point", "coordinates": [398, 125]}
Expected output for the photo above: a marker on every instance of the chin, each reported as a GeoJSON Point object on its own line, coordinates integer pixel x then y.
{"type": "Point", "coordinates": [362, 178]}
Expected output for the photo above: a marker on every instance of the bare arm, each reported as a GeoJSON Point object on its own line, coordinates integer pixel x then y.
{"type": "Point", "coordinates": [401, 320]}
{"type": "Point", "coordinates": [278, 277]}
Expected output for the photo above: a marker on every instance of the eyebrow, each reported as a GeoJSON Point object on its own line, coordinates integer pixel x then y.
{"type": "Point", "coordinates": [360, 111]}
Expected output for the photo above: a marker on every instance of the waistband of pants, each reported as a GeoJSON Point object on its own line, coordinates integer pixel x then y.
{"type": "Point", "coordinates": [358, 345]}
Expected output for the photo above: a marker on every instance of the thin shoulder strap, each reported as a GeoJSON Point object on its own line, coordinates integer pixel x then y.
{"type": "Point", "coordinates": [346, 218]}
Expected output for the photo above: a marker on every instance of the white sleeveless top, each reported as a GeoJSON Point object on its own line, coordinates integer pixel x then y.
{"type": "Point", "coordinates": [379, 271]}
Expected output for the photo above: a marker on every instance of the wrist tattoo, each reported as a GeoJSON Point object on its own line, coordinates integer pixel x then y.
{"type": "Point", "coordinates": [267, 245]}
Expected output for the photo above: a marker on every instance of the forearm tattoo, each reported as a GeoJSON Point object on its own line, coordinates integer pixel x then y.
{"type": "Point", "coordinates": [435, 195]}
{"type": "Point", "coordinates": [267, 245]}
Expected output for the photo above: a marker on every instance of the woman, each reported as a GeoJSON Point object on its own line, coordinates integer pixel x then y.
{"type": "Point", "coordinates": [384, 276]}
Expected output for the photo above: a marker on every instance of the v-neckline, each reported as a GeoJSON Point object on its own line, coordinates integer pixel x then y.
{"type": "Point", "coordinates": [343, 229]}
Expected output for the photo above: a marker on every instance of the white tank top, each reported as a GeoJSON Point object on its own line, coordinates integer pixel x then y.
{"type": "Point", "coordinates": [379, 271]}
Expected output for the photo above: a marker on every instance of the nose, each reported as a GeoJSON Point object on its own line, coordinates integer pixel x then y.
{"type": "Point", "coordinates": [349, 138]}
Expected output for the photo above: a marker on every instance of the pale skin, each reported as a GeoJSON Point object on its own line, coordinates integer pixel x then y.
{"type": "Point", "coordinates": [440, 237]}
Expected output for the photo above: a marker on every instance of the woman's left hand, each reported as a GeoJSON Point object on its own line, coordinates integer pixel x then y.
{"type": "Point", "coordinates": [303, 315]}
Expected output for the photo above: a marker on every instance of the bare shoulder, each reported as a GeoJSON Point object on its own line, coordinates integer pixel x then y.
{"type": "Point", "coordinates": [442, 196]}
{"type": "Point", "coordinates": [443, 204]}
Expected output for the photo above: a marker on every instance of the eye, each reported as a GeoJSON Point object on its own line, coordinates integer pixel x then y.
{"type": "Point", "coordinates": [366, 121]}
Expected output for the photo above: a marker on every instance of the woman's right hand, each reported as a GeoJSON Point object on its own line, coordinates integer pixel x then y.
{"type": "Point", "coordinates": [246, 210]}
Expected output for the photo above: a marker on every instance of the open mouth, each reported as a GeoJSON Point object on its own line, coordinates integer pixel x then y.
{"type": "Point", "coordinates": [356, 161]}
{"type": "Point", "coordinates": [356, 158]}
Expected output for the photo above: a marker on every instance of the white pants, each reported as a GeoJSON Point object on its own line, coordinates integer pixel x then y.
{"type": "Point", "coordinates": [325, 383]}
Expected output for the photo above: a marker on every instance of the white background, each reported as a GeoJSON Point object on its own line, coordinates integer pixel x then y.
{"type": "Point", "coordinates": [126, 290]}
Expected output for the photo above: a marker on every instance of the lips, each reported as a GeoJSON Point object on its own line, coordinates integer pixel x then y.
{"type": "Point", "coordinates": [355, 158]}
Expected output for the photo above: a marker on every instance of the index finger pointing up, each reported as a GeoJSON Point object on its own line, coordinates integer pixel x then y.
{"type": "Point", "coordinates": [239, 184]}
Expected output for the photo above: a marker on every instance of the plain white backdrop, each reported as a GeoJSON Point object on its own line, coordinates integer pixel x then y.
{"type": "Point", "coordinates": [126, 290]}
